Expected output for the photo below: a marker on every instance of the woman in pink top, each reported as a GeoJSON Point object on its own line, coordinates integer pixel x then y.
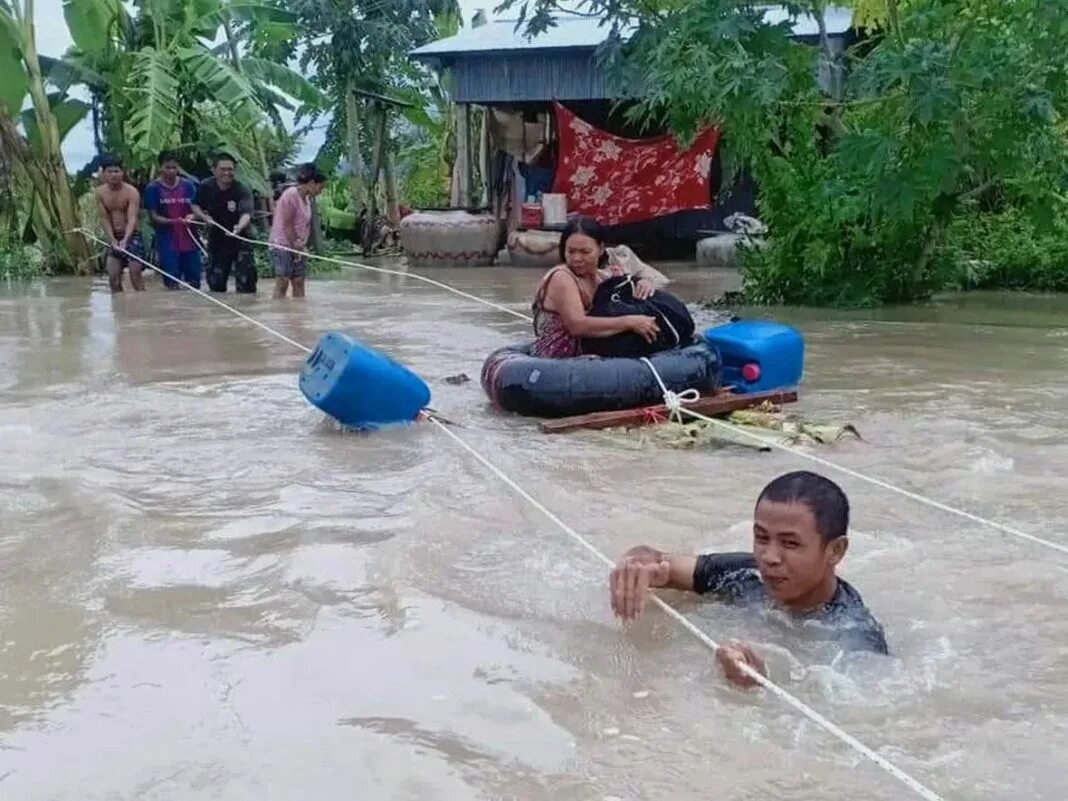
{"type": "Point", "coordinates": [291, 228]}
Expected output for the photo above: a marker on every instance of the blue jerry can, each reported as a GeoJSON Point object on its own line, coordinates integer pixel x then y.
{"type": "Point", "coordinates": [759, 355]}
{"type": "Point", "coordinates": [360, 387]}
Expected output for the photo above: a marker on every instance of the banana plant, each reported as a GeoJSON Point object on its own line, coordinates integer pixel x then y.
{"type": "Point", "coordinates": [161, 81]}
{"type": "Point", "coordinates": [37, 156]}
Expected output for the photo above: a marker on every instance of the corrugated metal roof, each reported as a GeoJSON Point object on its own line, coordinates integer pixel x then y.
{"type": "Point", "coordinates": [574, 32]}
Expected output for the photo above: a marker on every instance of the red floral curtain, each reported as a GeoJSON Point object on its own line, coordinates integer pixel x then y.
{"type": "Point", "coordinates": [619, 180]}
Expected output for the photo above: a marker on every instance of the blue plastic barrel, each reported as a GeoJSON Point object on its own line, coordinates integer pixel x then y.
{"type": "Point", "coordinates": [759, 355]}
{"type": "Point", "coordinates": [360, 387]}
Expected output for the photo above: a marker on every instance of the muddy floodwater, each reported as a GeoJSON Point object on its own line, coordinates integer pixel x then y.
{"type": "Point", "coordinates": [208, 592]}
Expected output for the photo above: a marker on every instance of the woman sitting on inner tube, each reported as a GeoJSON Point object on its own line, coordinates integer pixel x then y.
{"type": "Point", "coordinates": [565, 294]}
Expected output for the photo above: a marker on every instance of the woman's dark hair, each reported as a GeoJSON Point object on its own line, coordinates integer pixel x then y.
{"type": "Point", "coordinates": [310, 174]}
{"type": "Point", "coordinates": [580, 225]}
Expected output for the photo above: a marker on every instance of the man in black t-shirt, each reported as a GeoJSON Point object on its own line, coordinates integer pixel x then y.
{"type": "Point", "coordinates": [799, 537]}
{"type": "Point", "coordinates": [226, 201]}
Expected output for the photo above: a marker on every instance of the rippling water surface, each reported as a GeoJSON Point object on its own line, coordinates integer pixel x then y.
{"type": "Point", "coordinates": [207, 592]}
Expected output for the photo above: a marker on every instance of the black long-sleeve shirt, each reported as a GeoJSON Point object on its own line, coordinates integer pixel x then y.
{"type": "Point", "coordinates": [734, 577]}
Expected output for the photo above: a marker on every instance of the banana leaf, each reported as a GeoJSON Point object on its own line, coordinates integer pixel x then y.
{"type": "Point", "coordinates": [155, 114]}
{"type": "Point", "coordinates": [282, 77]}
{"type": "Point", "coordinates": [13, 81]}
{"type": "Point", "coordinates": [93, 23]}
{"type": "Point", "coordinates": [337, 219]}
{"type": "Point", "coordinates": [759, 429]}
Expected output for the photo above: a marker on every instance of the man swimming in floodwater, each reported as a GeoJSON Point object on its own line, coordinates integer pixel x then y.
{"type": "Point", "coordinates": [800, 529]}
{"type": "Point", "coordinates": [120, 205]}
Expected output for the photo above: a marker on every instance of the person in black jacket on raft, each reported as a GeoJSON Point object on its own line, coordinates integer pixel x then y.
{"type": "Point", "coordinates": [800, 535]}
{"type": "Point", "coordinates": [582, 306]}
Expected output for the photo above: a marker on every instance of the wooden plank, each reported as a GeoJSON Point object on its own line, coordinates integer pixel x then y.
{"type": "Point", "coordinates": [711, 405]}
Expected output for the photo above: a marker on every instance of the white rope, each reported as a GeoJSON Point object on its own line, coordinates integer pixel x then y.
{"type": "Point", "coordinates": [354, 265]}
{"type": "Point", "coordinates": [920, 789]}
{"type": "Point", "coordinates": [674, 402]}
{"type": "Point", "coordinates": [216, 301]}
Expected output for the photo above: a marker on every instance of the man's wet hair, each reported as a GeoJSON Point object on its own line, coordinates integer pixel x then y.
{"type": "Point", "coordinates": [110, 161]}
{"type": "Point", "coordinates": [825, 499]}
{"type": "Point", "coordinates": [222, 155]}
{"type": "Point", "coordinates": [168, 155]}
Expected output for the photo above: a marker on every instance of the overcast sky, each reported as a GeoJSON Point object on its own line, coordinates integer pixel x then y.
{"type": "Point", "coordinates": [53, 40]}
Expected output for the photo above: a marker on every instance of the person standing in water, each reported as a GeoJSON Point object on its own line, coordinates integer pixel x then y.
{"type": "Point", "coordinates": [169, 202]}
{"type": "Point", "coordinates": [120, 206]}
{"type": "Point", "coordinates": [800, 528]}
{"type": "Point", "coordinates": [291, 228]}
{"type": "Point", "coordinates": [224, 200]}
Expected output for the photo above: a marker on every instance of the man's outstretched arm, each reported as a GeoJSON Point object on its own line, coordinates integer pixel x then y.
{"type": "Point", "coordinates": [642, 568]}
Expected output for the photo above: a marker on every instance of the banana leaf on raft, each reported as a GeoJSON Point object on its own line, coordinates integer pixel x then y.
{"type": "Point", "coordinates": [767, 423]}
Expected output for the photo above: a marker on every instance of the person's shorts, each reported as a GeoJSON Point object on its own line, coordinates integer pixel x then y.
{"type": "Point", "coordinates": [288, 265]}
{"type": "Point", "coordinates": [134, 246]}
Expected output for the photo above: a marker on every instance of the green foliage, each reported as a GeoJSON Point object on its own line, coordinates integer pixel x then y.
{"type": "Point", "coordinates": [13, 83]}
{"type": "Point", "coordinates": [280, 146]}
{"type": "Point", "coordinates": [422, 181]}
{"type": "Point", "coordinates": [94, 25]}
{"type": "Point", "coordinates": [944, 104]}
{"type": "Point", "coordinates": [156, 79]}
{"type": "Point", "coordinates": [153, 95]}
{"type": "Point", "coordinates": [1007, 250]}
{"type": "Point", "coordinates": [19, 261]}
{"type": "Point", "coordinates": [68, 114]}
{"type": "Point", "coordinates": [363, 45]}
{"type": "Point", "coordinates": [296, 86]}
{"type": "Point", "coordinates": [37, 164]}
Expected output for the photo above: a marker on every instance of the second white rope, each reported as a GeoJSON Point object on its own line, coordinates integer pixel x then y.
{"type": "Point", "coordinates": [889, 767]}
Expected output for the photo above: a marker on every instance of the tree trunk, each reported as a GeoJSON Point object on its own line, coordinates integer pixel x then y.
{"type": "Point", "coordinates": [447, 154]}
{"type": "Point", "coordinates": [931, 241]}
{"type": "Point", "coordinates": [833, 70]}
{"type": "Point", "coordinates": [352, 128]}
{"type": "Point", "coordinates": [484, 166]}
{"type": "Point", "coordinates": [235, 56]}
{"type": "Point", "coordinates": [462, 165]}
{"type": "Point", "coordinates": [376, 168]}
{"type": "Point", "coordinates": [55, 189]}
{"type": "Point", "coordinates": [389, 179]}
{"type": "Point", "coordinates": [316, 238]}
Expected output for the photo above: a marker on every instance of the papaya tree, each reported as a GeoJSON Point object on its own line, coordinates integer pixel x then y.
{"type": "Point", "coordinates": [360, 47]}
{"type": "Point", "coordinates": [944, 106]}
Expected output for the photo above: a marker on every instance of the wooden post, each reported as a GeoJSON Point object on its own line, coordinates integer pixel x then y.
{"type": "Point", "coordinates": [389, 180]}
{"type": "Point", "coordinates": [316, 238]}
{"type": "Point", "coordinates": [462, 167]}
{"type": "Point", "coordinates": [352, 136]}
{"type": "Point", "coordinates": [469, 176]}
{"type": "Point", "coordinates": [484, 165]}
{"type": "Point", "coordinates": [380, 111]}
{"type": "Point", "coordinates": [711, 405]}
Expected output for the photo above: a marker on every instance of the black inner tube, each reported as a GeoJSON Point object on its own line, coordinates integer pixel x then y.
{"type": "Point", "coordinates": [518, 382]}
